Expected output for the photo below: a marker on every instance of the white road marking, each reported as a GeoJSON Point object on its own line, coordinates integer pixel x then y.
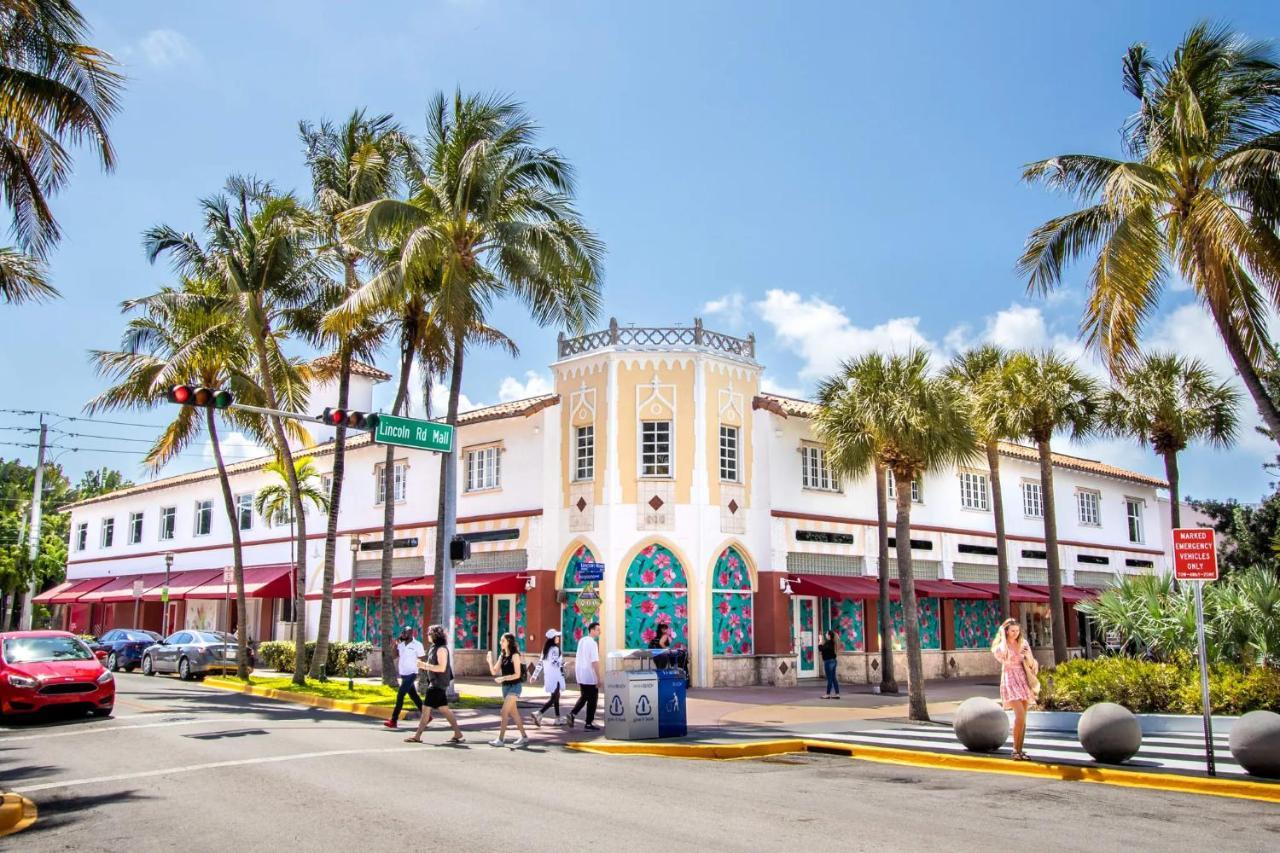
{"type": "Point", "coordinates": [110, 728]}
{"type": "Point", "coordinates": [213, 765]}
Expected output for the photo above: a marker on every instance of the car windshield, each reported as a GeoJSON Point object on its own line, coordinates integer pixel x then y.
{"type": "Point", "coordinates": [214, 637]}
{"type": "Point", "coordinates": [140, 636]}
{"type": "Point", "coordinates": [42, 649]}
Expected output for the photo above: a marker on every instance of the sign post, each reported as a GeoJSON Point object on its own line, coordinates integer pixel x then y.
{"type": "Point", "coordinates": [137, 598]}
{"type": "Point", "coordinates": [1195, 559]}
{"type": "Point", "coordinates": [228, 575]}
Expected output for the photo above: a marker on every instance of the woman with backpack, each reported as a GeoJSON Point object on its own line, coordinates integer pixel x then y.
{"type": "Point", "coordinates": [552, 667]}
{"type": "Point", "coordinates": [439, 670]}
{"type": "Point", "coordinates": [508, 670]}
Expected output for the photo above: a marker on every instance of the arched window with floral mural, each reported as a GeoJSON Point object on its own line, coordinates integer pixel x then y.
{"type": "Point", "coordinates": [572, 625]}
{"type": "Point", "coordinates": [657, 591]}
{"type": "Point", "coordinates": [731, 608]}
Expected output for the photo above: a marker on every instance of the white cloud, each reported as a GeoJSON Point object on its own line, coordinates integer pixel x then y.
{"type": "Point", "coordinates": [163, 48]}
{"type": "Point", "coordinates": [1017, 327]}
{"type": "Point", "coordinates": [728, 306]}
{"type": "Point", "coordinates": [439, 397]}
{"type": "Point", "coordinates": [235, 447]}
{"type": "Point", "coordinates": [769, 386]}
{"type": "Point", "coordinates": [534, 384]}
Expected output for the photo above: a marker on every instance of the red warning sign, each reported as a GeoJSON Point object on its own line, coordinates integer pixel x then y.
{"type": "Point", "coordinates": [1195, 554]}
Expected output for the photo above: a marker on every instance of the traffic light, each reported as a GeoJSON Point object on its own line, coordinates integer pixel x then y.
{"type": "Point", "coordinates": [352, 420]}
{"type": "Point", "coordinates": [205, 398]}
{"type": "Point", "coordinates": [459, 549]}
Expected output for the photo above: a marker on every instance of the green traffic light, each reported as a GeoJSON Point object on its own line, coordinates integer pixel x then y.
{"type": "Point", "coordinates": [222, 400]}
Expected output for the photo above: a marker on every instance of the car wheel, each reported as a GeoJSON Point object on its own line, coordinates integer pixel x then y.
{"type": "Point", "coordinates": [101, 712]}
{"type": "Point", "coordinates": [147, 667]}
{"type": "Point", "coordinates": [184, 669]}
{"type": "Point", "coordinates": [112, 664]}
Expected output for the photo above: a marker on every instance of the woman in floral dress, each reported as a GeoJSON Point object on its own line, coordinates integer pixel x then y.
{"type": "Point", "coordinates": [1015, 692]}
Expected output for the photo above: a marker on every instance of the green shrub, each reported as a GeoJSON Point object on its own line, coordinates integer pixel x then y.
{"type": "Point", "coordinates": [1147, 687]}
{"type": "Point", "coordinates": [279, 655]}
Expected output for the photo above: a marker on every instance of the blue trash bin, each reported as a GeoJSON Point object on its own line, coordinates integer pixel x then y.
{"type": "Point", "coordinates": [672, 719]}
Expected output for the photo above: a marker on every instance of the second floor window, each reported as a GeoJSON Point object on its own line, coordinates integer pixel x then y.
{"type": "Point", "coordinates": [82, 535]}
{"type": "Point", "coordinates": [1133, 512]}
{"type": "Point", "coordinates": [399, 482]}
{"type": "Point", "coordinates": [1032, 500]}
{"type": "Point", "coordinates": [1088, 508]}
{"type": "Point", "coordinates": [584, 452]}
{"type": "Point", "coordinates": [892, 486]}
{"type": "Point", "coordinates": [814, 471]}
{"type": "Point", "coordinates": [483, 469]}
{"type": "Point", "coordinates": [729, 454]}
{"type": "Point", "coordinates": [244, 512]}
{"type": "Point", "coordinates": [135, 528]}
{"type": "Point", "coordinates": [655, 448]}
{"type": "Point", "coordinates": [108, 532]}
{"type": "Point", "coordinates": [973, 490]}
{"type": "Point", "coordinates": [204, 518]}
{"type": "Point", "coordinates": [168, 521]}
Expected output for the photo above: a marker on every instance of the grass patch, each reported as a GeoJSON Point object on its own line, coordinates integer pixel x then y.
{"type": "Point", "coordinates": [368, 694]}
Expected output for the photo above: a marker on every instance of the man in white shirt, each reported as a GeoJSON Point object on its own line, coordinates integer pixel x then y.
{"type": "Point", "coordinates": [408, 652]}
{"type": "Point", "coordinates": [586, 668]}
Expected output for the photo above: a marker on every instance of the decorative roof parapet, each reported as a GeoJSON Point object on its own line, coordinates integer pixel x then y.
{"type": "Point", "coordinates": [658, 337]}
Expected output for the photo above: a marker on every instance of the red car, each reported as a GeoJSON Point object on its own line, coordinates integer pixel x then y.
{"type": "Point", "coordinates": [52, 669]}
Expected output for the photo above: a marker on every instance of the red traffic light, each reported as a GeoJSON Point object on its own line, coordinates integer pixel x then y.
{"type": "Point", "coordinates": [190, 395]}
{"type": "Point", "coordinates": [337, 417]}
{"type": "Point", "coordinates": [351, 420]}
{"type": "Point", "coordinates": [180, 394]}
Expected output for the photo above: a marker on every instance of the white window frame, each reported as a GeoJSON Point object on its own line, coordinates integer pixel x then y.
{"type": "Point", "coordinates": [201, 506]}
{"type": "Point", "coordinates": [240, 504]}
{"type": "Point", "coordinates": [655, 470]}
{"type": "Point", "coordinates": [917, 497]}
{"type": "Point", "coordinates": [483, 471]}
{"type": "Point", "coordinates": [1135, 519]}
{"type": "Point", "coordinates": [1027, 487]}
{"type": "Point", "coordinates": [399, 483]}
{"type": "Point", "coordinates": [975, 491]}
{"type": "Point", "coordinates": [82, 536]}
{"type": "Point", "coordinates": [136, 522]}
{"type": "Point", "coordinates": [171, 514]}
{"type": "Point", "coordinates": [107, 535]}
{"type": "Point", "coordinates": [584, 453]}
{"type": "Point", "coordinates": [730, 453]}
{"type": "Point", "coordinates": [1082, 496]}
{"type": "Point", "coordinates": [815, 469]}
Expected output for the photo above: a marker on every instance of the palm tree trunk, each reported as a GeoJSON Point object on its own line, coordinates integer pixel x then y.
{"type": "Point", "coordinates": [1057, 613]}
{"type": "Point", "coordinates": [888, 683]}
{"type": "Point", "coordinates": [1248, 374]}
{"type": "Point", "coordinates": [447, 512]}
{"type": "Point", "coordinates": [324, 624]}
{"type": "Point", "coordinates": [386, 623]}
{"type": "Point", "coordinates": [918, 708]}
{"type": "Point", "coordinates": [237, 553]}
{"type": "Point", "coordinates": [997, 507]}
{"type": "Point", "coordinates": [1171, 474]}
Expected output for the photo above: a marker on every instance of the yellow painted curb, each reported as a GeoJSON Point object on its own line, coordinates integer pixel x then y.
{"type": "Point", "coordinates": [1218, 787]}
{"type": "Point", "coordinates": [16, 814]}
{"type": "Point", "coordinates": [380, 711]}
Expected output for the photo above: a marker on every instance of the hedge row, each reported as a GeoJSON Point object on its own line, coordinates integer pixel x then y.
{"type": "Point", "coordinates": [279, 655]}
{"type": "Point", "coordinates": [1147, 687]}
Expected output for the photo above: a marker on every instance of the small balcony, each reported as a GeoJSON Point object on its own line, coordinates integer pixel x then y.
{"type": "Point", "coordinates": [659, 338]}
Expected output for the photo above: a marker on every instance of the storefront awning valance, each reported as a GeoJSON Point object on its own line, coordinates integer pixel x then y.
{"type": "Point", "coordinates": [476, 583]}
{"type": "Point", "coordinates": [120, 589]}
{"type": "Point", "coordinates": [259, 582]}
{"type": "Point", "coordinates": [181, 583]}
{"type": "Point", "coordinates": [364, 587]}
{"type": "Point", "coordinates": [69, 591]}
{"type": "Point", "coordinates": [1017, 592]}
{"type": "Point", "coordinates": [1070, 594]}
{"type": "Point", "coordinates": [834, 586]}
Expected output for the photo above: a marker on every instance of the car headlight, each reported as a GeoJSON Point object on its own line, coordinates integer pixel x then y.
{"type": "Point", "coordinates": [21, 681]}
{"type": "Point", "coordinates": [105, 677]}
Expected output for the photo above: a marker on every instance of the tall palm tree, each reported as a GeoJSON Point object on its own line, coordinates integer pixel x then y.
{"type": "Point", "coordinates": [273, 501]}
{"type": "Point", "coordinates": [57, 90]}
{"type": "Point", "coordinates": [970, 372]}
{"type": "Point", "coordinates": [256, 251]}
{"type": "Point", "coordinates": [1047, 394]}
{"type": "Point", "coordinates": [1167, 402]}
{"type": "Point", "coordinates": [488, 216]}
{"type": "Point", "coordinates": [888, 409]}
{"type": "Point", "coordinates": [351, 164]}
{"type": "Point", "coordinates": [1199, 195]}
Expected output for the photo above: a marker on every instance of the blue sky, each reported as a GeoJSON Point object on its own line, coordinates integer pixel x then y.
{"type": "Point", "coordinates": [831, 176]}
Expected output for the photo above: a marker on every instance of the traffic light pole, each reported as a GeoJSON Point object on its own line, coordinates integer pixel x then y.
{"type": "Point", "coordinates": [33, 543]}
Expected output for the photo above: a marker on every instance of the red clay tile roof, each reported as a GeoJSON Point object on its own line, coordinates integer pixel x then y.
{"type": "Point", "coordinates": [328, 364]}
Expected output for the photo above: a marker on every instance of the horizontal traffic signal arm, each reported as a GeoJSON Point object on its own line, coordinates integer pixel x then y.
{"type": "Point", "coordinates": [197, 395]}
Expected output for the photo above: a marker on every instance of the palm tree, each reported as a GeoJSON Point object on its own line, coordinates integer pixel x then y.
{"type": "Point", "coordinates": [181, 336]}
{"type": "Point", "coordinates": [351, 165]}
{"type": "Point", "coordinates": [1046, 394]}
{"type": "Point", "coordinates": [1168, 402]}
{"type": "Point", "coordinates": [970, 371]}
{"type": "Point", "coordinates": [273, 501]}
{"type": "Point", "coordinates": [488, 216]}
{"type": "Point", "coordinates": [56, 90]}
{"type": "Point", "coordinates": [256, 251]}
{"type": "Point", "coordinates": [1199, 196]}
{"type": "Point", "coordinates": [888, 409]}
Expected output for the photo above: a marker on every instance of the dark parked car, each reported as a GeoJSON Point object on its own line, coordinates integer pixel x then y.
{"type": "Point", "coordinates": [193, 654]}
{"type": "Point", "coordinates": [124, 647]}
{"type": "Point", "coordinates": [52, 669]}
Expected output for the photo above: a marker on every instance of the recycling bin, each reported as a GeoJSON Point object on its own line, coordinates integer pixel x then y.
{"type": "Point", "coordinates": [643, 703]}
{"type": "Point", "coordinates": [672, 719]}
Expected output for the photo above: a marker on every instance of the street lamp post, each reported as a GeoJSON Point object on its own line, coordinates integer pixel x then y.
{"type": "Point", "coordinates": [351, 633]}
{"type": "Point", "coordinates": [164, 593]}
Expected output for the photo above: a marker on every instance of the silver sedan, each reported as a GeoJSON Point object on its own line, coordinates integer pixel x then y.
{"type": "Point", "coordinates": [192, 654]}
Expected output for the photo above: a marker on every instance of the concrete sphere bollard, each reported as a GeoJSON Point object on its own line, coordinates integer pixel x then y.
{"type": "Point", "coordinates": [1110, 733]}
{"type": "Point", "coordinates": [1255, 743]}
{"type": "Point", "coordinates": [981, 724]}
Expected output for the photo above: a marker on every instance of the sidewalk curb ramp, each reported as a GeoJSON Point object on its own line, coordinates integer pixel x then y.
{"type": "Point", "coordinates": [1210, 786]}
{"type": "Point", "coordinates": [16, 814]}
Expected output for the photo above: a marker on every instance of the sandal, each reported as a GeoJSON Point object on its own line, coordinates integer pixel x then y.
{"type": "Point", "coordinates": [414, 739]}
{"type": "Point", "coordinates": [456, 739]}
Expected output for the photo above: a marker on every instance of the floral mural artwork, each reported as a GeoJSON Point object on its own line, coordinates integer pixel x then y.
{"type": "Point", "coordinates": [732, 624]}
{"type": "Point", "coordinates": [976, 622]}
{"type": "Point", "coordinates": [406, 612]}
{"type": "Point", "coordinates": [521, 620]}
{"type": "Point", "coordinates": [808, 625]}
{"type": "Point", "coordinates": [844, 616]}
{"type": "Point", "coordinates": [930, 612]}
{"type": "Point", "coordinates": [468, 625]}
{"type": "Point", "coordinates": [572, 626]}
{"type": "Point", "coordinates": [656, 593]}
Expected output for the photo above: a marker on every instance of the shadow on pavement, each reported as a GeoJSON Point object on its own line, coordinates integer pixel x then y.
{"type": "Point", "coordinates": [60, 812]}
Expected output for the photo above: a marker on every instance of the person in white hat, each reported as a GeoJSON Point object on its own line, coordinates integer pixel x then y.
{"type": "Point", "coordinates": [552, 666]}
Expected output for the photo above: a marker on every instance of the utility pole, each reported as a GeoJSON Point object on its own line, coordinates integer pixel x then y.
{"type": "Point", "coordinates": [33, 543]}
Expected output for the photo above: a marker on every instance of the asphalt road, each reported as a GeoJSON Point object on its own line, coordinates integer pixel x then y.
{"type": "Point", "coordinates": [190, 768]}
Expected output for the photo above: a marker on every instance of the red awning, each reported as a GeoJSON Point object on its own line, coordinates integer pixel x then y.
{"type": "Point", "coordinates": [259, 582]}
{"type": "Point", "coordinates": [834, 586]}
{"type": "Point", "coordinates": [476, 583]}
{"type": "Point", "coordinates": [364, 587]}
{"type": "Point", "coordinates": [1070, 594]}
{"type": "Point", "coordinates": [1017, 592]}
{"type": "Point", "coordinates": [68, 591]}
{"type": "Point", "coordinates": [181, 583]}
{"type": "Point", "coordinates": [120, 589]}
{"type": "Point", "coordinates": [947, 589]}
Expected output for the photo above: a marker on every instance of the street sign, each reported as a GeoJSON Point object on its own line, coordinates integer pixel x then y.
{"type": "Point", "coordinates": [588, 604]}
{"type": "Point", "coordinates": [1195, 554]}
{"type": "Point", "coordinates": [590, 572]}
{"type": "Point", "coordinates": [228, 575]}
{"type": "Point", "coordinates": [137, 588]}
{"type": "Point", "coordinates": [409, 432]}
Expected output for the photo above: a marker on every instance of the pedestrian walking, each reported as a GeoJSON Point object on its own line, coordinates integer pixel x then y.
{"type": "Point", "coordinates": [508, 670]}
{"type": "Point", "coordinates": [439, 669]}
{"type": "Point", "coordinates": [828, 649]}
{"type": "Point", "coordinates": [586, 668]}
{"type": "Point", "coordinates": [408, 652]}
{"type": "Point", "coordinates": [1018, 682]}
{"type": "Point", "coordinates": [552, 666]}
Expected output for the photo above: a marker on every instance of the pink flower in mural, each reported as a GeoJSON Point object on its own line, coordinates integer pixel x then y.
{"type": "Point", "coordinates": [724, 636]}
{"type": "Point", "coordinates": [746, 613]}
{"type": "Point", "coordinates": [668, 577]}
{"type": "Point", "coordinates": [647, 635]}
{"type": "Point", "coordinates": [582, 550]}
{"type": "Point", "coordinates": [745, 650]}
{"type": "Point", "coordinates": [723, 579]}
{"type": "Point", "coordinates": [664, 618]}
{"type": "Point", "coordinates": [662, 560]}
{"type": "Point", "coordinates": [681, 611]}
{"type": "Point", "coordinates": [647, 552]}
{"type": "Point", "coordinates": [734, 620]}
{"type": "Point", "coordinates": [577, 633]}
{"type": "Point", "coordinates": [737, 578]}
{"type": "Point", "coordinates": [627, 601]}
{"type": "Point", "coordinates": [655, 595]}
{"type": "Point", "coordinates": [737, 635]}
{"type": "Point", "coordinates": [724, 607]}
{"type": "Point", "coordinates": [647, 607]}
{"type": "Point", "coordinates": [846, 623]}
{"type": "Point", "coordinates": [732, 562]}
{"type": "Point", "coordinates": [648, 577]}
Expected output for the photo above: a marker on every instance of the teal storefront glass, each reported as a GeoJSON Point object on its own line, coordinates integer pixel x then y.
{"type": "Point", "coordinates": [471, 622]}
{"type": "Point", "coordinates": [845, 617]}
{"type": "Point", "coordinates": [930, 612]}
{"type": "Point", "coordinates": [976, 623]}
{"type": "Point", "coordinates": [657, 592]}
{"type": "Point", "coordinates": [571, 624]}
{"type": "Point", "coordinates": [731, 605]}
{"type": "Point", "coordinates": [406, 612]}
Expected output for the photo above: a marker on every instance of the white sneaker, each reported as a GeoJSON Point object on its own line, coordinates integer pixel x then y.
{"type": "Point", "coordinates": [497, 742]}
{"type": "Point", "coordinates": [519, 742]}
{"type": "Point", "coordinates": [537, 719]}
